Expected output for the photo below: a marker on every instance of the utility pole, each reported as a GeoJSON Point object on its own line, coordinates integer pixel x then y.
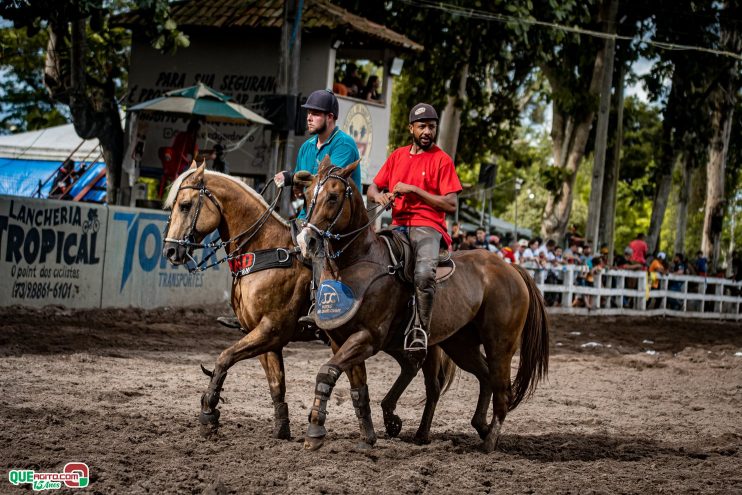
{"type": "Point", "coordinates": [518, 185]}
{"type": "Point", "coordinates": [288, 85]}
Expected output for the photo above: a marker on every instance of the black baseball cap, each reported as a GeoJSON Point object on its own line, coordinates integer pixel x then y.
{"type": "Point", "coordinates": [422, 111]}
{"type": "Point", "coordinates": [322, 100]}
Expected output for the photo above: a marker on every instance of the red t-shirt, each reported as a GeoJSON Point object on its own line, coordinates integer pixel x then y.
{"type": "Point", "coordinates": [640, 251]}
{"type": "Point", "coordinates": [431, 171]}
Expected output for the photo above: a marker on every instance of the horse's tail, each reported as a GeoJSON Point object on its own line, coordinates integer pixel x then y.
{"type": "Point", "coordinates": [534, 344]}
{"type": "Point", "coordinates": [446, 372]}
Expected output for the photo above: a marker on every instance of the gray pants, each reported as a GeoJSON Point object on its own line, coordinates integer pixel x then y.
{"type": "Point", "coordinates": [425, 243]}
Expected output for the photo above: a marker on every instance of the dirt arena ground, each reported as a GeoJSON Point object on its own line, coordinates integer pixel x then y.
{"type": "Point", "coordinates": [631, 406]}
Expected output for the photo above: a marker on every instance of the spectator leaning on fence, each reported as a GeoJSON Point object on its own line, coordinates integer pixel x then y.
{"type": "Point", "coordinates": [528, 259]}
{"type": "Point", "coordinates": [656, 268]}
{"type": "Point", "coordinates": [701, 264]}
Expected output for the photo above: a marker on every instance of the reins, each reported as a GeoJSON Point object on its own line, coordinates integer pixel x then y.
{"type": "Point", "coordinates": [327, 233]}
{"type": "Point", "coordinates": [188, 240]}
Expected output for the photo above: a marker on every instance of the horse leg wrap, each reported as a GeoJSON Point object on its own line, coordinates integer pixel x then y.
{"type": "Point", "coordinates": [326, 379]}
{"type": "Point", "coordinates": [361, 401]}
{"type": "Point", "coordinates": [281, 428]}
{"type": "Point", "coordinates": [362, 405]}
{"type": "Point", "coordinates": [281, 412]}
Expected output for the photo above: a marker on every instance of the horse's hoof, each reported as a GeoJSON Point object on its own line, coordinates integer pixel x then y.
{"type": "Point", "coordinates": [483, 432]}
{"type": "Point", "coordinates": [489, 445]}
{"type": "Point", "coordinates": [211, 418]}
{"type": "Point", "coordinates": [421, 439]}
{"type": "Point", "coordinates": [363, 447]}
{"type": "Point", "coordinates": [393, 425]}
{"type": "Point", "coordinates": [313, 443]}
{"type": "Point", "coordinates": [490, 442]}
{"type": "Point", "coordinates": [209, 431]}
{"type": "Point", "coordinates": [282, 431]}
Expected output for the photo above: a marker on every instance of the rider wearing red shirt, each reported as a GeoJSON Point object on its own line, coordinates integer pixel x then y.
{"type": "Point", "coordinates": [422, 181]}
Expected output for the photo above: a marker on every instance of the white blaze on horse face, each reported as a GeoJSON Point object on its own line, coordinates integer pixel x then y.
{"type": "Point", "coordinates": [302, 240]}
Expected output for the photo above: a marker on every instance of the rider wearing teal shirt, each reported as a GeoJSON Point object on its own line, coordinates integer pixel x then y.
{"type": "Point", "coordinates": [327, 139]}
{"type": "Point", "coordinates": [341, 148]}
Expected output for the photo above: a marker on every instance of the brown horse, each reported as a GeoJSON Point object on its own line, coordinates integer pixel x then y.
{"type": "Point", "coordinates": [486, 302]}
{"type": "Point", "coordinates": [266, 302]}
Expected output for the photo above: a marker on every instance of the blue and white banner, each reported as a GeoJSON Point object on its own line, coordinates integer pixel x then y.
{"type": "Point", "coordinates": [136, 274]}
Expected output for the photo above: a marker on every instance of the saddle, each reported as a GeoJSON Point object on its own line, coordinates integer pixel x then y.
{"type": "Point", "coordinates": [403, 258]}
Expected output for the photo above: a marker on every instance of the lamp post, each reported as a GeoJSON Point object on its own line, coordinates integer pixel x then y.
{"type": "Point", "coordinates": [518, 185]}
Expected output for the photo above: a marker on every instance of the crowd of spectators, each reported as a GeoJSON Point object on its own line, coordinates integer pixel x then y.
{"type": "Point", "coordinates": [535, 254]}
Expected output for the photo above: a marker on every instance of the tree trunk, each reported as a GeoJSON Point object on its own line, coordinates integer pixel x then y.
{"type": "Point", "coordinates": [612, 171]}
{"type": "Point", "coordinates": [569, 134]}
{"type": "Point", "coordinates": [721, 121]}
{"type": "Point", "coordinates": [592, 232]}
{"type": "Point", "coordinates": [663, 175]}
{"type": "Point", "coordinates": [723, 99]}
{"type": "Point", "coordinates": [450, 125]}
{"type": "Point", "coordinates": [571, 145]}
{"type": "Point", "coordinates": [64, 76]}
{"type": "Point", "coordinates": [683, 199]}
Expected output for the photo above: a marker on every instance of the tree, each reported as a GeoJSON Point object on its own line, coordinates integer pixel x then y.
{"type": "Point", "coordinates": [723, 96]}
{"type": "Point", "coordinates": [684, 101]}
{"type": "Point", "coordinates": [573, 65]}
{"type": "Point", "coordinates": [25, 105]}
{"type": "Point", "coordinates": [84, 58]}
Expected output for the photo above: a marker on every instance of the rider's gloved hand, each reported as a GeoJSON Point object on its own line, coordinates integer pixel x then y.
{"type": "Point", "coordinates": [284, 178]}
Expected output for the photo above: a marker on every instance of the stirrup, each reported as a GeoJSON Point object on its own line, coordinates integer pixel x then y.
{"type": "Point", "coordinates": [309, 319]}
{"type": "Point", "coordinates": [416, 339]}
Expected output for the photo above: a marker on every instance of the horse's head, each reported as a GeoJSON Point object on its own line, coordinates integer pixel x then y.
{"type": "Point", "coordinates": [329, 206]}
{"type": "Point", "coordinates": [194, 213]}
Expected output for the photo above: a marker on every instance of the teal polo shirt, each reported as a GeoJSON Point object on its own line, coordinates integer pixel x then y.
{"type": "Point", "coordinates": [342, 150]}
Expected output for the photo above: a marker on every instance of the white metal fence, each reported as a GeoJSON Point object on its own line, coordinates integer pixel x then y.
{"type": "Point", "coordinates": [623, 292]}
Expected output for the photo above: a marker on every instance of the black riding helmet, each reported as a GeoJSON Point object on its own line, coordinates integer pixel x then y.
{"type": "Point", "coordinates": [323, 100]}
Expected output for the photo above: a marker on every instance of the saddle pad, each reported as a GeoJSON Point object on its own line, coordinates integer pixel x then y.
{"type": "Point", "coordinates": [336, 304]}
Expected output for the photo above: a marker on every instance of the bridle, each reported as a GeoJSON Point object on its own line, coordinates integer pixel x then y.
{"type": "Point", "coordinates": [188, 240]}
{"type": "Point", "coordinates": [327, 233]}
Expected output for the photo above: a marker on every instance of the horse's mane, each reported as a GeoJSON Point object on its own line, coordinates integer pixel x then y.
{"type": "Point", "coordinates": [170, 200]}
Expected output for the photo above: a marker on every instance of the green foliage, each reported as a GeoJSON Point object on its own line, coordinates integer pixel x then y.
{"type": "Point", "coordinates": [25, 105]}
{"type": "Point", "coordinates": [642, 137]}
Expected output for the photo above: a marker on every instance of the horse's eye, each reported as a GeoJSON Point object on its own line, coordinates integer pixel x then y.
{"type": "Point", "coordinates": [184, 207]}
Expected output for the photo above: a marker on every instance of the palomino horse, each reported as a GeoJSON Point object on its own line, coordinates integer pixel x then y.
{"type": "Point", "coordinates": [266, 302]}
{"type": "Point", "coordinates": [486, 302]}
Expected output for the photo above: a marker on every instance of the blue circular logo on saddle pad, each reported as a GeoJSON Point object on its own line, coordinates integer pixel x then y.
{"type": "Point", "coordinates": [334, 300]}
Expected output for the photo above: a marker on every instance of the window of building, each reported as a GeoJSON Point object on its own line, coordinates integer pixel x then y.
{"type": "Point", "coordinates": [360, 78]}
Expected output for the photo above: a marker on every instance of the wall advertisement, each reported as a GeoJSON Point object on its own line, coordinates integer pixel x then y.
{"type": "Point", "coordinates": [136, 274]}
{"type": "Point", "coordinates": [81, 255]}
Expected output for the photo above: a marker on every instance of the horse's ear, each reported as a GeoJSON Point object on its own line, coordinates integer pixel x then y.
{"type": "Point", "coordinates": [193, 165]}
{"type": "Point", "coordinates": [303, 178]}
{"type": "Point", "coordinates": [325, 165]}
{"type": "Point", "coordinates": [198, 175]}
{"type": "Point", "coordinates": [347, 171]}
